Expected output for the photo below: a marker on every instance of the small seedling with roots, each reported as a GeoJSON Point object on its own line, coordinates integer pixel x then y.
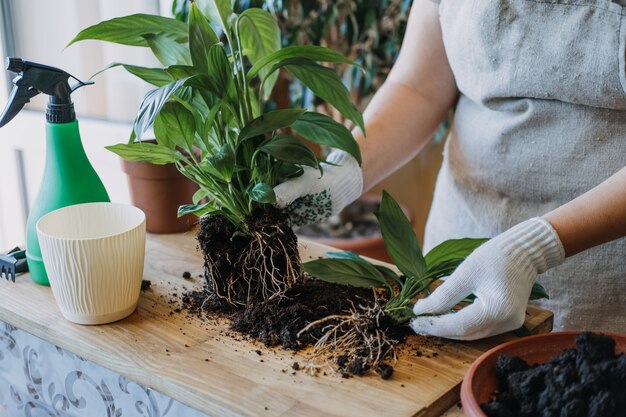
{"type": "Point", "coordinates": [364, 334]}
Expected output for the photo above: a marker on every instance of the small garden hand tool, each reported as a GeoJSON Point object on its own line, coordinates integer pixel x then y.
{"type": "Point", "coordinates": [13, 262]}
{"type": "Point", "coordinates": [68, 177]}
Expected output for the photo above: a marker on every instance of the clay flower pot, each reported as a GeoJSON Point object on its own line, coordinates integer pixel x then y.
{"type": "Point", "coordinates": [159, 190]}
{"type": "Point", "coordinates": [480, 380]}
{"type": "Point", "coordinates": [370, 245]}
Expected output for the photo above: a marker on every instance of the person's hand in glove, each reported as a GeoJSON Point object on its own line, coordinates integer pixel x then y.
{"type": "Point", "coordinates": [501, 274]}
{"type": "Point", "coordinates": [314, 197]}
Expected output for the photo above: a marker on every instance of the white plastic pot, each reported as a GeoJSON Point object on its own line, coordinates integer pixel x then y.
{"type": "Point", "coordinates": [94, 256]}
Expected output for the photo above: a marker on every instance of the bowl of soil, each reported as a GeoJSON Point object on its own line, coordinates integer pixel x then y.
{"type": "Point", "coordinates": [555, 374]}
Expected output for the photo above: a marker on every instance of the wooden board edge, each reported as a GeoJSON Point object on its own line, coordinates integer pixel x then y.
{"type": "Point", "coordinates": [445, 402]}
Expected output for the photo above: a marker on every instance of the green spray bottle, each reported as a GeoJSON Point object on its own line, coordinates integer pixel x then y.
{"type": "Point", "coordinates": [68, 177]}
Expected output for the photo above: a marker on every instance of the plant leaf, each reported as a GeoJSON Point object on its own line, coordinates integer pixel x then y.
{"type": "Point", "coordinates": [146, 152]}
{"type": "Point", "coordinates": [199, 195]}
{"type": "Point", "coordinates": [220, 72]}
{"type": "Point", "coordinates": [155, 76]}
{"type": "Point", "coordinates": [201, 38]}
{"type": "Point", "coordinates": [289, 149]}
{"type": "Point", "coordinates": [538, 292]}
{"type": "Point", "coordinates": [326, 84]}
{"type": "Point", "coordinates": [443, 269]}
{"type": "Point", "coordinates": [167, 50]}
{"type": "Point", "coordinates": [287, 171]}
{"type": "Point", "coordinates": [130, 30]}
{"type": "Point", "coordinates": [175, 126]}
{"type": "Point", "coordinates": [152, 103]}
{"type": "Point", "coordinates": [269, 122]}
{"type": "Point", "coordinates": [182, 71]}
{"type": "Point", "coordinates": [311, 52]}
{"type": "Point", "coordinates": [223, 162]}
{"type": "Point", "coordinates": [387, 272]}
{"type": "Point", "coordinates": [260, 36]}
{"type": "Point", "coordinates": [452, 249]}
{"type": "Point", "coordinates": [263, 193]}
{"type": "Point", "coordinates": [218, 11]}
{"type": "Point", "coordinates": [209, 122]}
{"type": "Point", "coordinates": [344, 254]}
{"type": "Point", "coordinates": [197, 209]}
{"type": "Point", "coordinates": [194, 103]}
{"type": "Point", "coordinates": [400, 239]}
{"type": "Point", "coordinates": [323, 130]}
{"type": "Point", "coordinates": [346, 272]}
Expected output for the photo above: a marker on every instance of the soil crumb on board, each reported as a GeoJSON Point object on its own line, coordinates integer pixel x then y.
{"type": "Point", "coordinates": [588, 381]}
{"type": "Point", "coordinates": [278, 322]}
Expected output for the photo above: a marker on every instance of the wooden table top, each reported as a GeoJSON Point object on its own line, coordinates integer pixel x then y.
{"type": "Point", "coordinates": [203, 365]}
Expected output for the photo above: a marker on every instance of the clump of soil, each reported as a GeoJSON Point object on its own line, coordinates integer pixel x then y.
{"type": "Point", "coordinates": [588, 381]}
{"type": "Point", "coordinates": [305, 315]}
{"type": "Point", "coordinates": [355, 220]}
{"type": "Point", "coordinates": [277, 322]}
{"type": "Point", "coordinates": [260, 264]}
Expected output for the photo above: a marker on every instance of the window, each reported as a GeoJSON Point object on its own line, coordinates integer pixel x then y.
{"type": "Point", "coordinates": [39, 30]}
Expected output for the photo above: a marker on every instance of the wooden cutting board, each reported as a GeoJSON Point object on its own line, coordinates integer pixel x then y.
{"type": "Point", "coordinates": [205, 366]}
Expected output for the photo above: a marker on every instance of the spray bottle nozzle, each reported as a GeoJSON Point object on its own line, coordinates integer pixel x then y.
{"type": "Point", "coordinates": [34, 78]}
{"type": "Point", "coordinates": [14, 64]}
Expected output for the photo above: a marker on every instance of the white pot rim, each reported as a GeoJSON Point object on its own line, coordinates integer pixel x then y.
{"type": "Point", "coordinates": [139, 220]}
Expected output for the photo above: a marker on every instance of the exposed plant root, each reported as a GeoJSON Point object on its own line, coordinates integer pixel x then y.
{"type": "Point", "coordinates": [259, 265]}
{"type": "Point", "coordinates": [353, 343]}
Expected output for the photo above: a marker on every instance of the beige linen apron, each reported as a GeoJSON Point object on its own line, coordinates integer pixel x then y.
{"type": "Point", "coordinates": [541, 119]}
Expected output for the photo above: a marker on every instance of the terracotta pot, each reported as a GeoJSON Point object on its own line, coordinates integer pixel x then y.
{"type": "Point", "coordinates": [159, 190]}
{"type": "Point", "coordinates": [480, 380]}
{"type": "Point", "coordinates": [370, 246]}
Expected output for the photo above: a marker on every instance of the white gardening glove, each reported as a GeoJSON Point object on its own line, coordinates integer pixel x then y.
{"type": "Point", "coordinates": [313, 197]}
{"type": "Point", "coordinates": [501, 274]}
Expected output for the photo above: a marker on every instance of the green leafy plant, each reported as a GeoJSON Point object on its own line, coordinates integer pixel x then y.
{"type": "Point", "coordinates": [208, 118]}
{"type": "Point", "coordinates": [364, 335]}
{"type": "Point", "coordinates": [418, 272]}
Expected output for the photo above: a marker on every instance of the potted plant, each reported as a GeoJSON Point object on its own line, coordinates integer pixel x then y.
{"type": "Point", "coordinates": [210, 98]}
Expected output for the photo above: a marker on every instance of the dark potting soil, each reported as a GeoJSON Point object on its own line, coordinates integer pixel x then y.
{"type": "Point", "coordinates": [254, 266]}
{"type": "Point", "coordinates": [277, 322]}
{"type": "Point", "coordinates": [354, 221]}
{"type": "Point", "coordinates": [588, 381]}
{"type": "Point", "coordinates": [239, 271]}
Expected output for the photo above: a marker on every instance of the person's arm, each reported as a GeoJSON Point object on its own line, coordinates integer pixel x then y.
{"type": "Point", "coordinates": [595, 217]}
{"type": "Point", "coordinates": [399, 121]}
{"type": "Point", "coordinates": [413, 101]}
{"type": "Point", "coordinates": [501, 272]}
